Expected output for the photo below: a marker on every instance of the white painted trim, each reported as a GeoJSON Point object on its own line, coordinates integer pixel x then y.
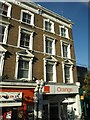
{"type": "Point", "coordinates": [54, 70]}
{"type": "Point", "coordinates": [63, 72]}
{"type": "Point", "coordinates": [2, 55]}
{"type": "Point", "coordinates": [71, 74]}
{"type": "Point", "coordinates": [30, 69]}
{"type": "Point", "coordinates": [71, 71]}
{"type": "Point", "coordinates": [17, 84]}
{"type": "Point", "coordinates": [5, 33]}
{"type": "Point", "coordinates": [9, 104]}
{"type": "Point", "coordinates": [57, 20]}
{"type": "Point", "coordinates": [9, 8]}
{"type": "Point", "coordinates": [53, 44]}
{"type": "Point", "coordinates": [62, 42]}
{"type": "Point", "coordinates": [67, 32]}
{"type": "Point", "coordinates": [32, 17]}
{"type": "Point", "coordinates": [52, 25]}
{"type": "Point", "coordinates": [31, 37]}
{"type": "Point", "coordinates": [44, 69]}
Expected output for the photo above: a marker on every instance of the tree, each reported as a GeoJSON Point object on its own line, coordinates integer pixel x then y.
{"type": "Point", "coordinates": [86, 86]}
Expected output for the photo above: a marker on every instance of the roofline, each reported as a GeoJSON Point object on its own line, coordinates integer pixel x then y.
{"type": "Point", "coordinates": [51, 12]}
{"type": "Point", "coordinates": [33, 4]}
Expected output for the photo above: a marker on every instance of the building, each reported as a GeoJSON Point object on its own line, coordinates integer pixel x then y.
{"type": "Point", "coordinates": [35, 44]}
{"type": "Point", "coordinates": [85, 100]}
{"type": "Point", "coordinates": [81, 77]}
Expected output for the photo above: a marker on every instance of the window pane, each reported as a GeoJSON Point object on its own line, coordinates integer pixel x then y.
{"type": "Point", "coordinates": [22, 74]}
{"type": "Point", "coordinates": [67, 74]}
{"type": "Point", "coordinates": [23, 68]}
{"type": "Point", "coordinates": [65, 51]}
{"type": "Point", "coordinates": [26, 18]}
{"type": "Point", "coordinates": [25, 39]}
{"type": "Point", "coordinates": [49, 47]}
{"type": "Point", "coordinates": [48, 26]}
{"type": "Point", "coordinates": [3, 9]}
{"type": "Point", "coordinates": [2, 29]}
{"type": "Point", "coordinates": [63, 32]}
{"type": "Point", "coordinates": [49, 72]}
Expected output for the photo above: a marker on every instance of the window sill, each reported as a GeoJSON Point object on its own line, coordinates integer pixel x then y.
{"type": "Point", "coordinates": [49, 54]}
{"type": "Point", "coordinates": [26, 23]}
{"type": "Point", "coordinates": [8, 17]}
{"type": "Point", "coordinates": [64, 37]}
{"type": "Point", "coordinates": [49, 31]}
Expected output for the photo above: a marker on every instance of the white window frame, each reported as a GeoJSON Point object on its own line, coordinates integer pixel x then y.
{"type": "Point", "coordinates": [52, 61]}
{"type": "Point", "coordinates": [62, 42]}
{"type": "Point", "coordinates": [9, 9]}
{"type": "Point", "coordinates": [71, 72]}
{"type": "Point", "coordinates": [31, 37]}
{"type": "Point", "coordinates": [52, 25]}
{"type": "Point", "coordinates": [5, 33]}
{"type": "Point", "coordinates": [30, 60]}
{"type": "Point", "coordinates": [53, 44]}
{"type": "Point", "coordinates": [67, 33]}
{"type": "Point", "coordinates": [32, 17]}
{"type": "Point", "coordinates": [2, 55]}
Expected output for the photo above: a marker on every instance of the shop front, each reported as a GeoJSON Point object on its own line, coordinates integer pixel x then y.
{"type": "Point", "coordinates": [16, 103]}
{"type": "Point", "coordinates": [60, 102]}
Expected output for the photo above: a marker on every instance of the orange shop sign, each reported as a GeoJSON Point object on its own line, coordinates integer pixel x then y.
{"type": "Point", "coordinates": [60, 89]}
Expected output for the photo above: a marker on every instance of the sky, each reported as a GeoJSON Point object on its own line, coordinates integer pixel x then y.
{"type": "Point", "coordinates": [77, 12]}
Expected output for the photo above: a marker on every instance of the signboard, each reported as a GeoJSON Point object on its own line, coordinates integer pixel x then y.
{"type": "Point", "coordinates": [13, 98]}
{"type": "Point", "coordinates": [61, 89]}
{"type": "Point", "coordinates": [10, 96]}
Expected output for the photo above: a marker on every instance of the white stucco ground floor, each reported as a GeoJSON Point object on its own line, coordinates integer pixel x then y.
{"type": "Point", "coordinates": [60, 102]}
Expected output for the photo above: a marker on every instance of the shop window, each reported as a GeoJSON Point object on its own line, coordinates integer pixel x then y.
{"type": "Point", "coordinates": [5, 9]}
{"type": "Point", "coordinates": [3, 33]}
{"type": "Point", "coordinates": [27, 17]}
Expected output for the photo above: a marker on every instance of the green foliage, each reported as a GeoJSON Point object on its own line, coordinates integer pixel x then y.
{"type": "Point", "coordinates": [86, 86]}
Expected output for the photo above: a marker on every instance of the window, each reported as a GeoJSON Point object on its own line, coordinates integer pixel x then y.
{"type": "Point", "coordinates": [49, 72]}
{"type": "Point", "coordinates": [3, 33]}
{"type": "Point", "coordinates": [5, 9]}
{"type": "Point", "coordinates": [65, 49]}
{"type": "Point", "coordinates": [50, 69]}
{"type": "Point", "coordinates": [23, 69]}
{"type": "Point", "coordinates": [27, 17]}
{"type": "Point", "coordinates": [24, 65]}
{"type": "Point", "coordinates": [25, 38]}
{"type": "Point", "coordinates": [67, 71]}
{"type": "Point", "coordinates": [2, 55]}
{"type": "Point", "coordinates": [48, 25]}
{"type": "Point", "coordinates": [63, 31]}
{"type": "Point", "coordinates": [49, 45]}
